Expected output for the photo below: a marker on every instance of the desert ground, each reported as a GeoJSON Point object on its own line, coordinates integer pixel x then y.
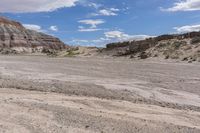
{"type": "Point", "coordinates": [39, 94]}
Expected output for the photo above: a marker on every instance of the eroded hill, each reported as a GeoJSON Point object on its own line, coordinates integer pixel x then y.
{"type": "Point", "coordinates": [181, 46]}
{"type": "Point", "coordinates": [15, 38]}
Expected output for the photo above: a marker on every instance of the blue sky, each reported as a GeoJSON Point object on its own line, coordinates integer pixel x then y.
{"type": "Point", "coordinates": [97, 22]}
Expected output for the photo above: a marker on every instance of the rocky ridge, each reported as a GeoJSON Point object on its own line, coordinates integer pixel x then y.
{"type": "Point", "coordinates": [184, 47]}
{"type": "Point", "coordinates": [16, 38]}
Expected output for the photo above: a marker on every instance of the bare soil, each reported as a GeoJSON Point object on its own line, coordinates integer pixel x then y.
{"type": "Point", "coordinates": [98, 95]}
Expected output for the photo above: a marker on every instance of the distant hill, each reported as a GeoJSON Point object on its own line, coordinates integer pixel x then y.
{"type": "Point", "coordinates": [16, 38]}
{"type": "Point", "coordinates": [178, 46]}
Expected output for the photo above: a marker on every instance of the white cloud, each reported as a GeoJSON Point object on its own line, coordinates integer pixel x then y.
{"type": "Point", "coordinates": [33, 27]}
{"type": "Point", "coordinates": [187, 28]}
{"type": "Point", "coordinates": [53, 28]}
{"type": "Point", "coordinates": [139, 37]}
{"type": "Point", "coordinates": [185, 5]}
{"type": "Point", "coordinates": [121, 36]}
{"type": "Point", "coordinates": [24, 6]}
{"type": "Point", "coordinates": [96, 42]}
{"type": "Point", "coordinates": [89, 3]}
{"type": "Point", "coordinates": [83, 29]}
{"type": "Point", "coordinates": [91, 22]}
{"type": "Point", "coordinates": [111, 36]}
{"type": "Point", "coordinates": [115, 34]}
{"type": "Point", "coordinates": [88, 30]}
{"type": "Point", "coordinates": [107, 12]}
{"type": "Point", "coordinates": [95, 5]}
{"type": "Point", "coordinates": [93, 25]}
{"type": "Point", "coordinates": [79, 41]}
{"type": "Point", "coordinates": [114, 9]}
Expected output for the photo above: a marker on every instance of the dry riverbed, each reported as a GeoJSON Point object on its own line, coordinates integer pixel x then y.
{"type": "Point", "coordinates": [98, 95]}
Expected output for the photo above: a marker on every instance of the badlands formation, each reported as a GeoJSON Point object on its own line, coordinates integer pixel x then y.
{"type": "Point", "coordinates": [95, 90]}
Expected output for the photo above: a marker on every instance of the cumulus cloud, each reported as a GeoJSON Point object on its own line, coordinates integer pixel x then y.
{"type": "Point", "coordinates": [109, 37]}
{"type": "Point", "coordinates": [121, 36]}
{"type": "Point", "coordinates": [187, 28]}
{"type": "Point", "coordinates": [184, 5]}
{"type": "Point", "coordinates": [33, 27]}
{"type": "Point", "coordinates": [53, 28]}
{"type": "Point", "coordinates": [106, 12]}
{"type": "Point", "coordinates": [24, 6]}
{"type": "Point", "coordinates": [115, 34]}
{"type": "Point", "coordinates": [92, 22]}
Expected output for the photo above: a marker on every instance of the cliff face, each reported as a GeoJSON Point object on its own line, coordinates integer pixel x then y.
{"type": "Point", "coordinates": [14, 35]}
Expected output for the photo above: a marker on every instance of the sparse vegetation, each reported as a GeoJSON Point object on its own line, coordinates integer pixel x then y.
{"type": "Point", "coordinates": [71, 54]}
{"type": "Point", "coordinates": [175, 47]}
{"type": "Point", "coordinates": [7, 51]}
{"type": "Point", "coordinates": [195, 40]}
{"type": "Point", "coordinates": [162, 44]}
{"type": "Point", "coordinates": [120, 44]}
{"type": "Point", "coordinates": [178, 44]}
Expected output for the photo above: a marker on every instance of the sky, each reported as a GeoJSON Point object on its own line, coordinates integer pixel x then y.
{"type": "Point", "coordinates": [98, 22]}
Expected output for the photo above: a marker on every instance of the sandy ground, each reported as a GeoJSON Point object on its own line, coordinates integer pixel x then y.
{"type": "Point", "coordinates": [101, 95]}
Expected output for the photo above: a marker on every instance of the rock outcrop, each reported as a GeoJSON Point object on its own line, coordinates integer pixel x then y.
{"type": "Point", "coordinates": [178, 46]}
{"type": "Point", "coordinates": [16, 37]}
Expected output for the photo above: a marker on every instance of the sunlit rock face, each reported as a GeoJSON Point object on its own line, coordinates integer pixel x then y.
{"type": "Point", "coordinates": [14, 35]}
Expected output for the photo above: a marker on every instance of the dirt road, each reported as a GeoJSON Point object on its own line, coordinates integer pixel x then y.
{"type": "Point", "coordinates": [41, 94]}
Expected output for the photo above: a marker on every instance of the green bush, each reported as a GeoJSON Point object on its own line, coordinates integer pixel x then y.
{"type": "Point", "coordinates": [195, 40]}
{"type": "Point", "coordinates": [177, 44]}
{"type": "Point", "coordinates": [71, 53]}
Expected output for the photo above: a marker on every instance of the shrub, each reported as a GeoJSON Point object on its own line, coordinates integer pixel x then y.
{"type": "Point", "coordinates": [163, 44]}
{"type": "Point", "coordinates": [115, 45]}
{"type": "Point", "coordinates": [71, 53]}
{"type": "Point", "coordinates": [195, 40]}
{"type": "Point", "coordinates": [177, 44]}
